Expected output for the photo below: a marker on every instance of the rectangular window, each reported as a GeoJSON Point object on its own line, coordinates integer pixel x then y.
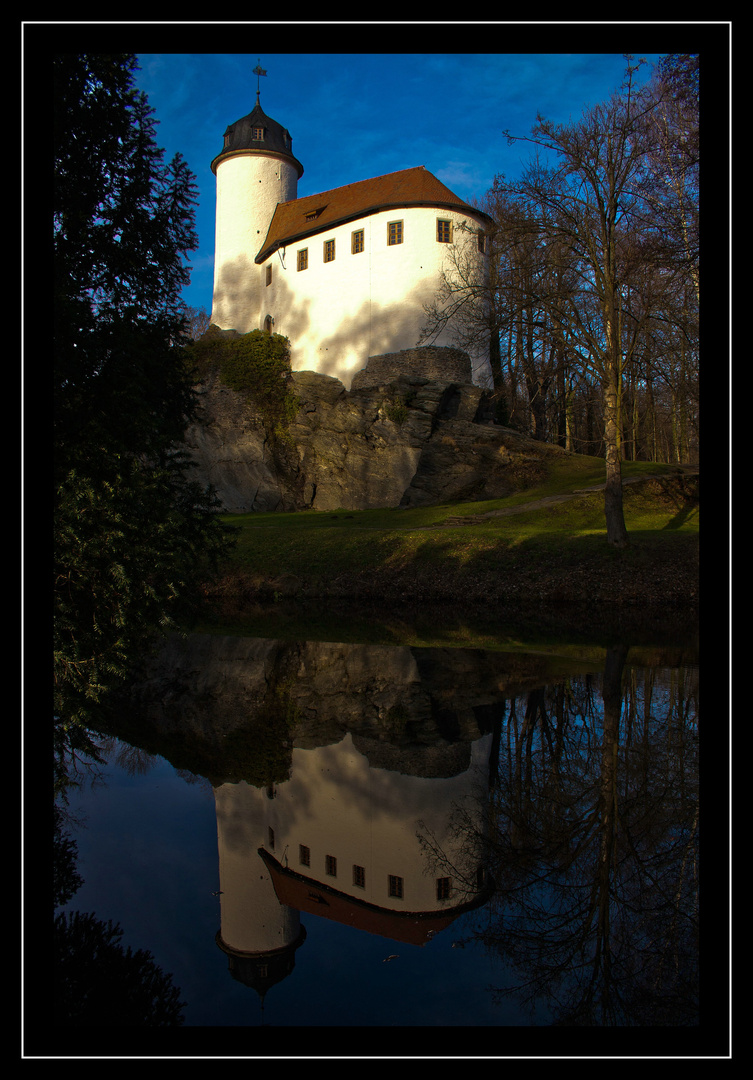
{"type": "Point", "coordinates": [303, 259]}
{"type": "Point", "coordinates": [395, 232]}
{"type": "Point", "coordinates": [356, 241]}
{"type": "Point", "coordinates": [257, 133]}
{"type": "Point", "coordinates": [482, 242]}
{"type": "Point", "coordinates": [396, 887]}
{"type": "Point", "coordinates": [269, 274]}
{"type": "Point", "coordinates": [329, 250]}
{"type": "Point", "coordinates": [271, 838]}
{"type": "Point", "coordinates": [331, 865]}
{"type": "Point", "coordinates": [444, 231]}
{"type": "Point", "coordinates": [304, 855]}
{"type": "Point", "coordinates": [359, 876]}
{"type": "Point", "coordinates": [444, 888]}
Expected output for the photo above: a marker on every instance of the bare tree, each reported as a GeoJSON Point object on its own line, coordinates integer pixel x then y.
{"type": "Point", "coordinates": [583, 181]}
{"type": "Point", "coordinates": [465, 304]}
{"type": "Point", "coordinates": [197, 321]}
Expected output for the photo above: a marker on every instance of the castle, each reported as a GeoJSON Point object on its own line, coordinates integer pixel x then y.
{"type": "Point", "coordinates": [344, 274]}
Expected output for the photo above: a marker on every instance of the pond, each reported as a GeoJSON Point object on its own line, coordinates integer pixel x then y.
{"type": "Point", "coordinates": [319, 836]}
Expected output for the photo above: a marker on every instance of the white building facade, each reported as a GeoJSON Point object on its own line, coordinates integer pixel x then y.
{"type": "Point", "coordinates": [345, 274]}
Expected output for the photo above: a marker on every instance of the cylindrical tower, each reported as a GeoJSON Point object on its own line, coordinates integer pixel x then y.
{"type": "Point", "coordinates": [255, 171]}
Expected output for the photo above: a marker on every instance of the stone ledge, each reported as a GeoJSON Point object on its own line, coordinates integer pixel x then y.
{"type": "Point", "coordinates": [428, 361]}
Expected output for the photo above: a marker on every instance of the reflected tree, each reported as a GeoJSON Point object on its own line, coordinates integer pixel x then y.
{"type": "Point", "coordinates": [592, 840]}
{"type": "Point", "coordinates": [66, 880]}
{"type": "Point", "coordinates": [98, 983]}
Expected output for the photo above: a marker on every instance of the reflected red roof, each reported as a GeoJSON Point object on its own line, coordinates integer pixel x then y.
{"type": "Point", "coordinates": [409, 187]}
{"type": "Point", "coordinates": [306, 894]}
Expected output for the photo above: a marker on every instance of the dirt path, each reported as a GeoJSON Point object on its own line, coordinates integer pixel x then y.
{"type": "Point", "coordinates": [552, 500]}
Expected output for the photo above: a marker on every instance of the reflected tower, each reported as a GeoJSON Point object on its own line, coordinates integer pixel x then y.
{"type": "Point", "coordinates": [258, 933]}
{"type": "Point", "coordinates": [340, 840]}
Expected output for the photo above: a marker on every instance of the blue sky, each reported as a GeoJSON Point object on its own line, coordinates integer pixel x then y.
{"type": "Point", "coordinates": [359, 115]}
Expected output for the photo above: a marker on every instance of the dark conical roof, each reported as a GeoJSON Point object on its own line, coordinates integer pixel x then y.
{"type": "Point", "coordinates": [261, 971]}
{"type": "Point", "coordinates": [258, 133]}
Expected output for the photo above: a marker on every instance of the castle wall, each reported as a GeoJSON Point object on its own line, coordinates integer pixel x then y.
{"type": "Point", "coordinates": [429, 361]}
{"type": "Point", "coordinates": [338, 313]}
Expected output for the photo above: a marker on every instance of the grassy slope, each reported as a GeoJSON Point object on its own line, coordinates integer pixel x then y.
{"type": "Point", "coordinates": [557, 552]}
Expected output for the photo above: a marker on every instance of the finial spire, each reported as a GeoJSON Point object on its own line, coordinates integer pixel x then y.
{"type": "Point", "coordinates": [258, 72]}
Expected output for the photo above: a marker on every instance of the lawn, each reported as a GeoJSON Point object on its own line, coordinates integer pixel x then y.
{"type": "Point", "coordinates": [309, 544]}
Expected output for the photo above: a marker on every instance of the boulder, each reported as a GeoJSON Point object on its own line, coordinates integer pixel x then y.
{"type": "Point", "coordinates": [408, 441]}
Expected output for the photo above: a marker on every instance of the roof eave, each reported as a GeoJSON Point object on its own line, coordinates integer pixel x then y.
{"type": "Point", "coordinates": [292, 238]}
{"type": "Point", "coordinates": [254, 151]}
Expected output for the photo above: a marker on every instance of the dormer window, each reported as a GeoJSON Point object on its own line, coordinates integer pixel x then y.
{"type": "Point", "coordinates": [257, 133]}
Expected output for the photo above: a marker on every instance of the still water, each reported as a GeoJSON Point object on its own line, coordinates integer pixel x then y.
{"type": "Point", "coordinates": [312, 835]}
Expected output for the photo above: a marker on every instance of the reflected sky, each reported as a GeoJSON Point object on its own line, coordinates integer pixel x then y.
{"type": "Point", "coordinates": [148, 856]}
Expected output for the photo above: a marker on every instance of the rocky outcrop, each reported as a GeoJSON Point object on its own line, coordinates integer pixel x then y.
{"type": "Point", "coordinates": [407, 440]}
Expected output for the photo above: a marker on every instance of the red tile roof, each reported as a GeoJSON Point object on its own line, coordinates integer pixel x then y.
{"type": "Point", "coordinates": [409, 187]}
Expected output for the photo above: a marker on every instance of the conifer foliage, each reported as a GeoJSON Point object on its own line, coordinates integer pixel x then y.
{"type": "Point", "coordinates": [134, 537]}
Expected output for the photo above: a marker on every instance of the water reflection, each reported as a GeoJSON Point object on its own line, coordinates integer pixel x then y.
{"type": "Point", "coordinates": [550, 799]}
{"type": "Point", "coordinates": [339, 840]}
{"type": "Point", "coordinates": [594, 846]}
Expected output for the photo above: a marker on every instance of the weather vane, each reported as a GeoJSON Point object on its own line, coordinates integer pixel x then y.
{"type": "Point", "coordinates": [258, 72]}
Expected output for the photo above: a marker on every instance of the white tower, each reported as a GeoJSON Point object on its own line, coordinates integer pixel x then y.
{"type": "Point", "coordinates": [255, 171]}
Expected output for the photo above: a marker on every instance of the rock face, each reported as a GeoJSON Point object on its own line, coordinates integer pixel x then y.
{"type": "Point", "coordinates": [394, 440]}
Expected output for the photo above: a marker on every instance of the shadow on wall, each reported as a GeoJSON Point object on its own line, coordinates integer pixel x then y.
{"type": "Point", "coordinates": [338, 349]}
{"type": "Point", "coordinates": [371, 330]}
{"type": "Point", "coordinates": [235, 292]}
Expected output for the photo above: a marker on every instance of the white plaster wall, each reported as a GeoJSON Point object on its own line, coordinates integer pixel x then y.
{"type": "Point", "coordinates": [248, 188]}
{"type": "Point", "coordinates": [336, 804]}
{"type": "Point", "coordinates": [252, 918]}
{"type": "Point", "coordinates": [337, 314]}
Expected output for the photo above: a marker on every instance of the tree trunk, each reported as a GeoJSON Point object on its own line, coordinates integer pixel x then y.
{"type": "Point", "coordinates": [615, 520]}
{"type": "Point", "coordinates": [495, 359]}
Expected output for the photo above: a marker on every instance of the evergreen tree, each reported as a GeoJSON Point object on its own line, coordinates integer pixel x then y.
{"type": "Point", "coordinates": [134, 537]}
